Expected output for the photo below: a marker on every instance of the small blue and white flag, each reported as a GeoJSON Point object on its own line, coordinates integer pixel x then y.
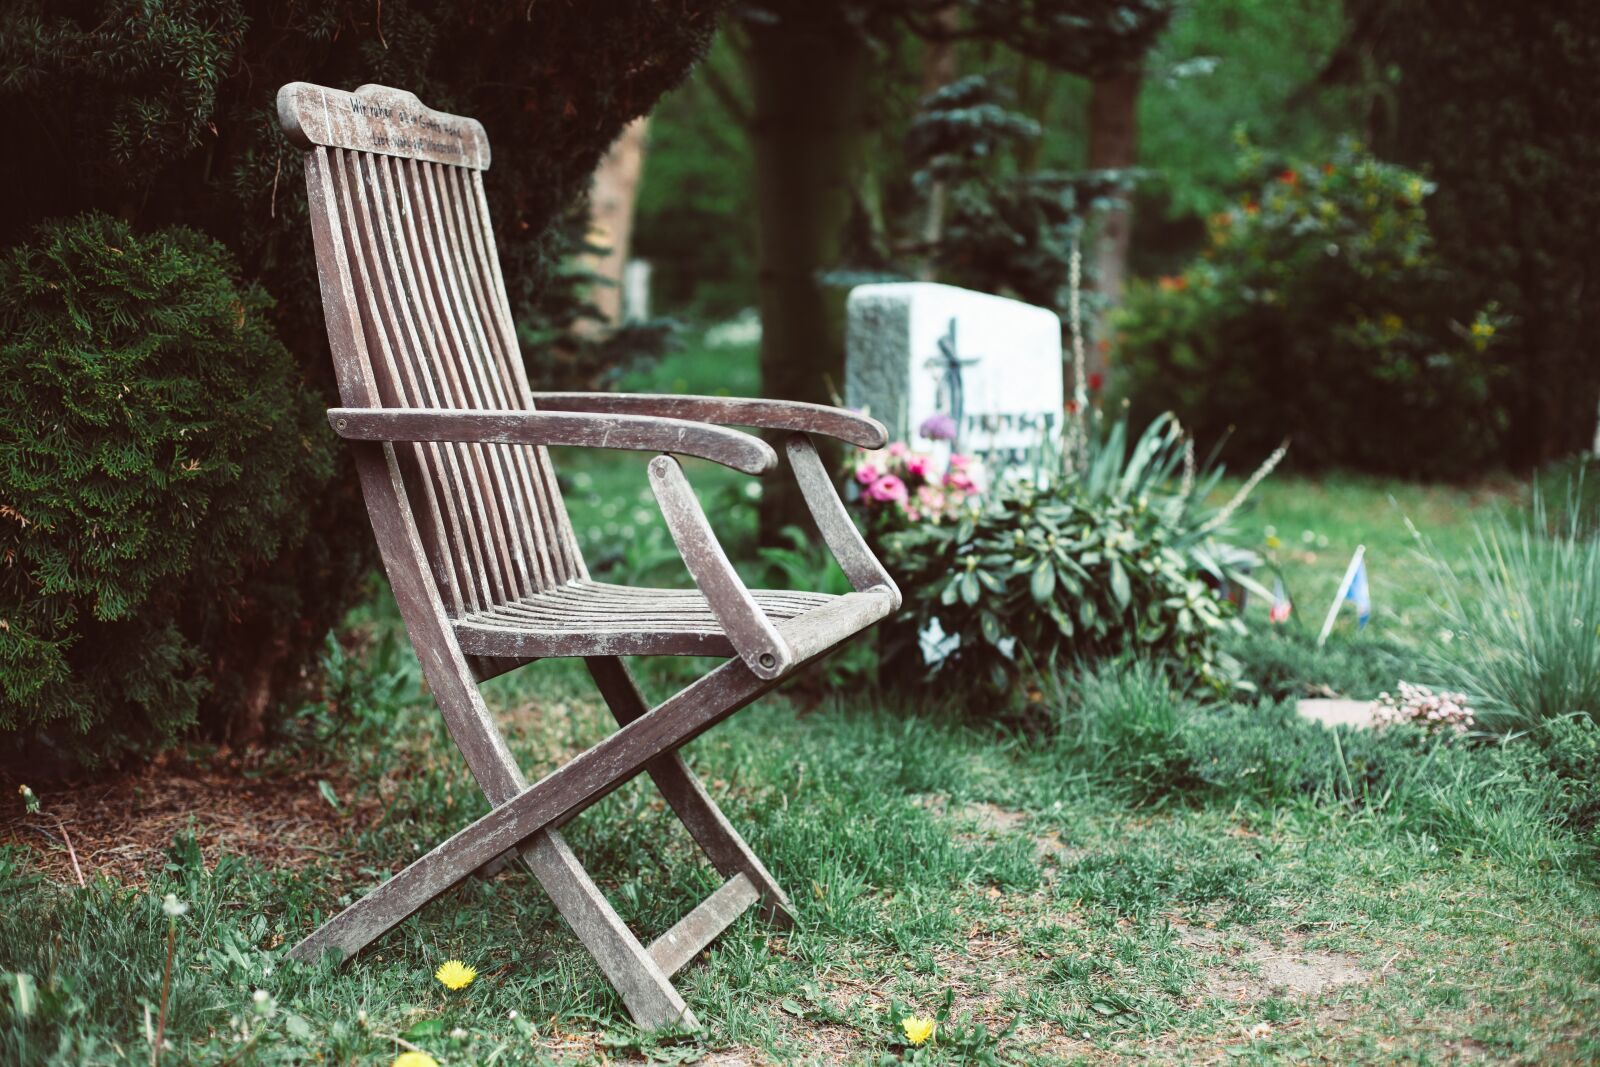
{"type": "Point", "coordinates": [1359, 595]}
{"type": "Point", "coordinates": [1352, 588]}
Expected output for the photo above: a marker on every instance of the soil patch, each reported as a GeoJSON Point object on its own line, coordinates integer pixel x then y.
{"type": "Point", "coordinates": [122, 826]}
{"type": "Point", "coordinates": [1253, 968]}
{"type": "Point", "coordinates": [992, 821]}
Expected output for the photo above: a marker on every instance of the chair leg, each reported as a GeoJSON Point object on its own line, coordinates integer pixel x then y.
{"type": "Point", "coordinates": [567, 790]}
{"type": "Point", "coordinates": [684, 792]}
{"type": "Point", "coordinates": [645, 989]}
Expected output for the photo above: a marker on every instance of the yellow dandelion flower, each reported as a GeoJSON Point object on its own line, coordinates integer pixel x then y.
{"type": "Point", "coordinates": [1482, 329]}
{"type": "Point", "coordinates": [414, 1059]}
{"type": "Point", "coordinates": [454, 974]}
{"type": "Point", "coordinates": [917, 1028]}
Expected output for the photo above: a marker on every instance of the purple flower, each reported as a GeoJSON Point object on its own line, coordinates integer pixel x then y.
{"type": "Point", "coordinates": [938, 427]}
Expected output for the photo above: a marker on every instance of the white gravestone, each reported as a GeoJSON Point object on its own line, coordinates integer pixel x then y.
{"type": "Point", "coordinates": [992, 365]}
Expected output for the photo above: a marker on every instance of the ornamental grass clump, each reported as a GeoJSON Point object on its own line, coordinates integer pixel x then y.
{"type": "Point", "coordinates": [1521, 619]}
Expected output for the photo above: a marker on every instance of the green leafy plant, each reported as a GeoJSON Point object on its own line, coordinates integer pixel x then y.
{"type": "Point", "coordinates": [157, 454]}
{"type": "Point", "coordinates": [1319, 311]}
{"type": "Point", "coordinates": [1111, 558]}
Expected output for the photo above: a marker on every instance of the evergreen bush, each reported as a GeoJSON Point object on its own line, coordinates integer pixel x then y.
{"type": "Point", "coordinates": [162, 114]}
{"type": "Point", "coordinates": [158, 453]}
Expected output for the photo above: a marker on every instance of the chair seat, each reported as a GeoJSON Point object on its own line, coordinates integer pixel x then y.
{"type": "Point", "coordinates": [587, 618]}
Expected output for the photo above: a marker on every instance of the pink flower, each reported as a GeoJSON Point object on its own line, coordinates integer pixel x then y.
{"type": "Point", "coordinates": [898, 449]}
{"type": "Point", "coordinates": [917, 465]}
{"type": "Point", "coordinates": [959, 462]}
{"type": "Point", "coordinates": [960, 481]}
{"type": "Point", "coordinates": [887, 489]}
{"type": "Point", "coordinates": [867, 473]}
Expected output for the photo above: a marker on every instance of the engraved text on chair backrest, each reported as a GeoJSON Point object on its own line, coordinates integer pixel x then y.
{"type": "Point", "coordinates": [397, 190]}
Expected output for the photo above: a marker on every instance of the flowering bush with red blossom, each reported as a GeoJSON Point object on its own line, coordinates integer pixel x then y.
{"type": "Point", "coordinates": [899, 487]}
{"type": "Point", "coordinates": [1320, 310]}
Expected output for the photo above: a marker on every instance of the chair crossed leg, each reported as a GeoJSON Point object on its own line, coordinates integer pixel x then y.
{"type": "Point", "coordinates": [528, 822]}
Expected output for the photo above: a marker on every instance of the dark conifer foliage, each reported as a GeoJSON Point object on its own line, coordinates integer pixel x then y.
{"type": "Point", "coordinates": [156, 452]}
{"type": "Point", "coordinates": [1497, 104]}
{"type": "Point", "coordinates": [163, 115]}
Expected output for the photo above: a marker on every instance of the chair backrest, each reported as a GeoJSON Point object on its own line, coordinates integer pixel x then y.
{"type": "Point", "coordinates": [418, 317]}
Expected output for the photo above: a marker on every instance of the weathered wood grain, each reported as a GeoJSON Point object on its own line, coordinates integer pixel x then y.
{"type": "Point", "coordinates": [567, 789]}
{"type": "Point", "coordinates": [594, 618]}
{"type": "Point", "coordinates": [748, 628]}
{"type": "Point", "coordinates": [687, 796]}
{"type": "Point", "coordinates": [838, 530]}
{"type": "Point", "coordinates": [639, 433]}
{"type": "Point", "coordinates": [644, 984]}
{"type": "Point", "coordinates": [375, 118]}
{"type": "Point", "coordinates": [683, 942]}
{"type": "Point", "coordinates": [848, 426]}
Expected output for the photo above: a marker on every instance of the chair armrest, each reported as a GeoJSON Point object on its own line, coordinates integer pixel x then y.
{"type": "Point", "coordinates": [848, 426]}
{"type": "Point", "coordinates": [642, 433]}
{"type": "Point", "coordinates": [751, 632]}
{"type": "Point", "coordinates": [762, 644]}
{"type": "Point", "coordinates": [838, 530]}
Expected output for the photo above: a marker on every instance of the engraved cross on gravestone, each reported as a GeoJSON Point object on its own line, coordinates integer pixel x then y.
{"type": "Point", "coordinates": [1002, 386]}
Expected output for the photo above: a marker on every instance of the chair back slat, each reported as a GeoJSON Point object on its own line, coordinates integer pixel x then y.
{"type": "Point", "coordinates": [429, 312]}
{"type": "Point", "coordinates": [566, 561]}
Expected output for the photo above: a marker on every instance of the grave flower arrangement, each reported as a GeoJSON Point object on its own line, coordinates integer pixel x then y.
{"type": "Point", "coordinates": [898, 488]}
{"type": "Point", "coordinates": [1120, 555]}
{"type": "Point", "coordinates": [1435, 713]}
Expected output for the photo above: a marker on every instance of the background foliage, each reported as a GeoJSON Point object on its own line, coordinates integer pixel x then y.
{"type": "Point", "coordinates": [1495, 103]}
{"type": "Point", "coordinates": [1321, 311]}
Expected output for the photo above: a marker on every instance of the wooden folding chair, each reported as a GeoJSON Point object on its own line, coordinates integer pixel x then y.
{"type": "Point", "coordinates": [451, 444]}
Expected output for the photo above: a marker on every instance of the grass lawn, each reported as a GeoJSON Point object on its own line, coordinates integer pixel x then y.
{"type": "Point", "coordinates": [1049, 902]}
{"type": "Point", "coordinates": [1319, 522]}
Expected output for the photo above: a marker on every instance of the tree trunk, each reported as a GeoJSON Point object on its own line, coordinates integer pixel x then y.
{"type": "Point", "coordinates": [938, 70]}
{"type": "Point", "coordinates": [808, 130]}
{"type": "Point", "coordinates": [616, 191]}
{"type": "Point", "coordinates": [1597, 438]}
{"type": "Point", "coordinates": [1113, 145]}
